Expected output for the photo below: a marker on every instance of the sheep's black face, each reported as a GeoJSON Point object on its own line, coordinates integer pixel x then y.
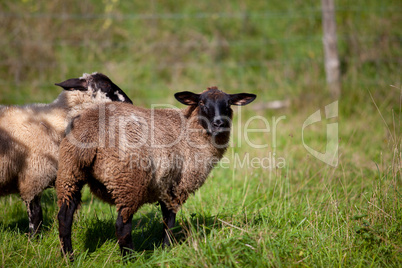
{"type": "Point", "coordinates": [215, 114]}
{"type": "Point", "coordinates": [96, 82]}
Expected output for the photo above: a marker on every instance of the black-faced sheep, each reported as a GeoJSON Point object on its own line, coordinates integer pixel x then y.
{"type": "Point", "coordinates": [30, 136]}
{"type": "Point", "coordinates": [134, 156]}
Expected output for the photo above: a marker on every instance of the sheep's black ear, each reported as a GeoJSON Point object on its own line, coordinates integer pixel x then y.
{"type": "Point", "coordinates": [241, 98]}
{"type": "Point", "coordinates": [74, 84]}
{"type": "Point", "coordinates": [187, 97]}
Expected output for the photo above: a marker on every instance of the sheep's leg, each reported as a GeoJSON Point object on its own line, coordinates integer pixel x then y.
{"type": "Point", "coordinates": [65, 218]}
{"type": "Point", "coordinates": [35, 215]}
{"type": "Point", "coordinates": [169, 218]}
{"type": "Point", "coordinates": [123, 234]}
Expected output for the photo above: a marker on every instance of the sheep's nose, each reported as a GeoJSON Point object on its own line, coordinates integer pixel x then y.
{"type": "Point", "coordinates": [218, 123]}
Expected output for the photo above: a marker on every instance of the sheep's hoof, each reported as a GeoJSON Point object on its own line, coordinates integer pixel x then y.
{"type": "Point", "coordinates": [32, 234]}
{"type": "Point", "coordinates": [70, 257]}
{"type": "Point", "coordinates": [128, 255]}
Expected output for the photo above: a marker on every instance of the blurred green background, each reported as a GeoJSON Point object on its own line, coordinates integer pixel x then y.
{"type": "Point", "coordinates": [305, 213]}
{"type": "Point", "coordinates": [154, 48]}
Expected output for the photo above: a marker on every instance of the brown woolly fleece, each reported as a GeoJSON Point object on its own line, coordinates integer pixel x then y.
{"type": "Point", "coordinates": [130, 156]}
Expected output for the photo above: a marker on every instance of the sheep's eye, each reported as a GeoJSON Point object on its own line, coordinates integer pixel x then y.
{"type": "Point", "coordinates": [204, 108]}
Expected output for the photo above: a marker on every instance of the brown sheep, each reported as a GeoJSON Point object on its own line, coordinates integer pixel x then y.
{"type": "Point", "coordinates": [131, 156]}
{"type": "Point", "coordinates": [30, 136]}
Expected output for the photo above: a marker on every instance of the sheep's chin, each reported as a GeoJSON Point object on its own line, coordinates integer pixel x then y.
{"type": "Point", "coordinates": [217, 131]}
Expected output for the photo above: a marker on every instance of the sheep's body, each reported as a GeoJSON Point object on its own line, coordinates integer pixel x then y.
{"type": "Point", "coordinates": [128, 175]}
{"type": "Point", "coordinates": [29, 141]}
{"type": "Point", "coordinates": [30, 136]}
{"type": "Point", "coordinates": [131, 156]}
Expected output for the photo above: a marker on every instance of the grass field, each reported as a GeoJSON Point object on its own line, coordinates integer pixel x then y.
{"type": "Point", "coordinates": [276, 206]}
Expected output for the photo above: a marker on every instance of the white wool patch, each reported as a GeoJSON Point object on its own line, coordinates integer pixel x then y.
{"type": "Point", "coordinates": [101, 97]}
{"type": "Point", "coordinates": [121, 97]}
{"type": "Point", "coordinates": [85, 75]}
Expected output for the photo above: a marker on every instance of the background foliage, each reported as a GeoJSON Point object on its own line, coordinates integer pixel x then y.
{"type": "Point", "coordinates": [303, 214]}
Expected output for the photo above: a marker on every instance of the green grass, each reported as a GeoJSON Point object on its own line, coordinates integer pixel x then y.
{"type": "Point", "coordinates": [301, 213]}
{"type": "Point", "coordinates": [305, 213]}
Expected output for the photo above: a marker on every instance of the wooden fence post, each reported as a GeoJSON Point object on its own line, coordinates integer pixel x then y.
{"type": "Point", "coordinates": [332, 65]}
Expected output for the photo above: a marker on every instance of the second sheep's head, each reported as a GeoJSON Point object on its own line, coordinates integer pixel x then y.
{"type": "Point", "coordinates": [98, 83]}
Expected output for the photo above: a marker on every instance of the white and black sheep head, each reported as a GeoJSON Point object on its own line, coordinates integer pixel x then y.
{"type": "Point", "coordinates": [214, 112]}
{"type": "Point", "coordinates": [98, 83]}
